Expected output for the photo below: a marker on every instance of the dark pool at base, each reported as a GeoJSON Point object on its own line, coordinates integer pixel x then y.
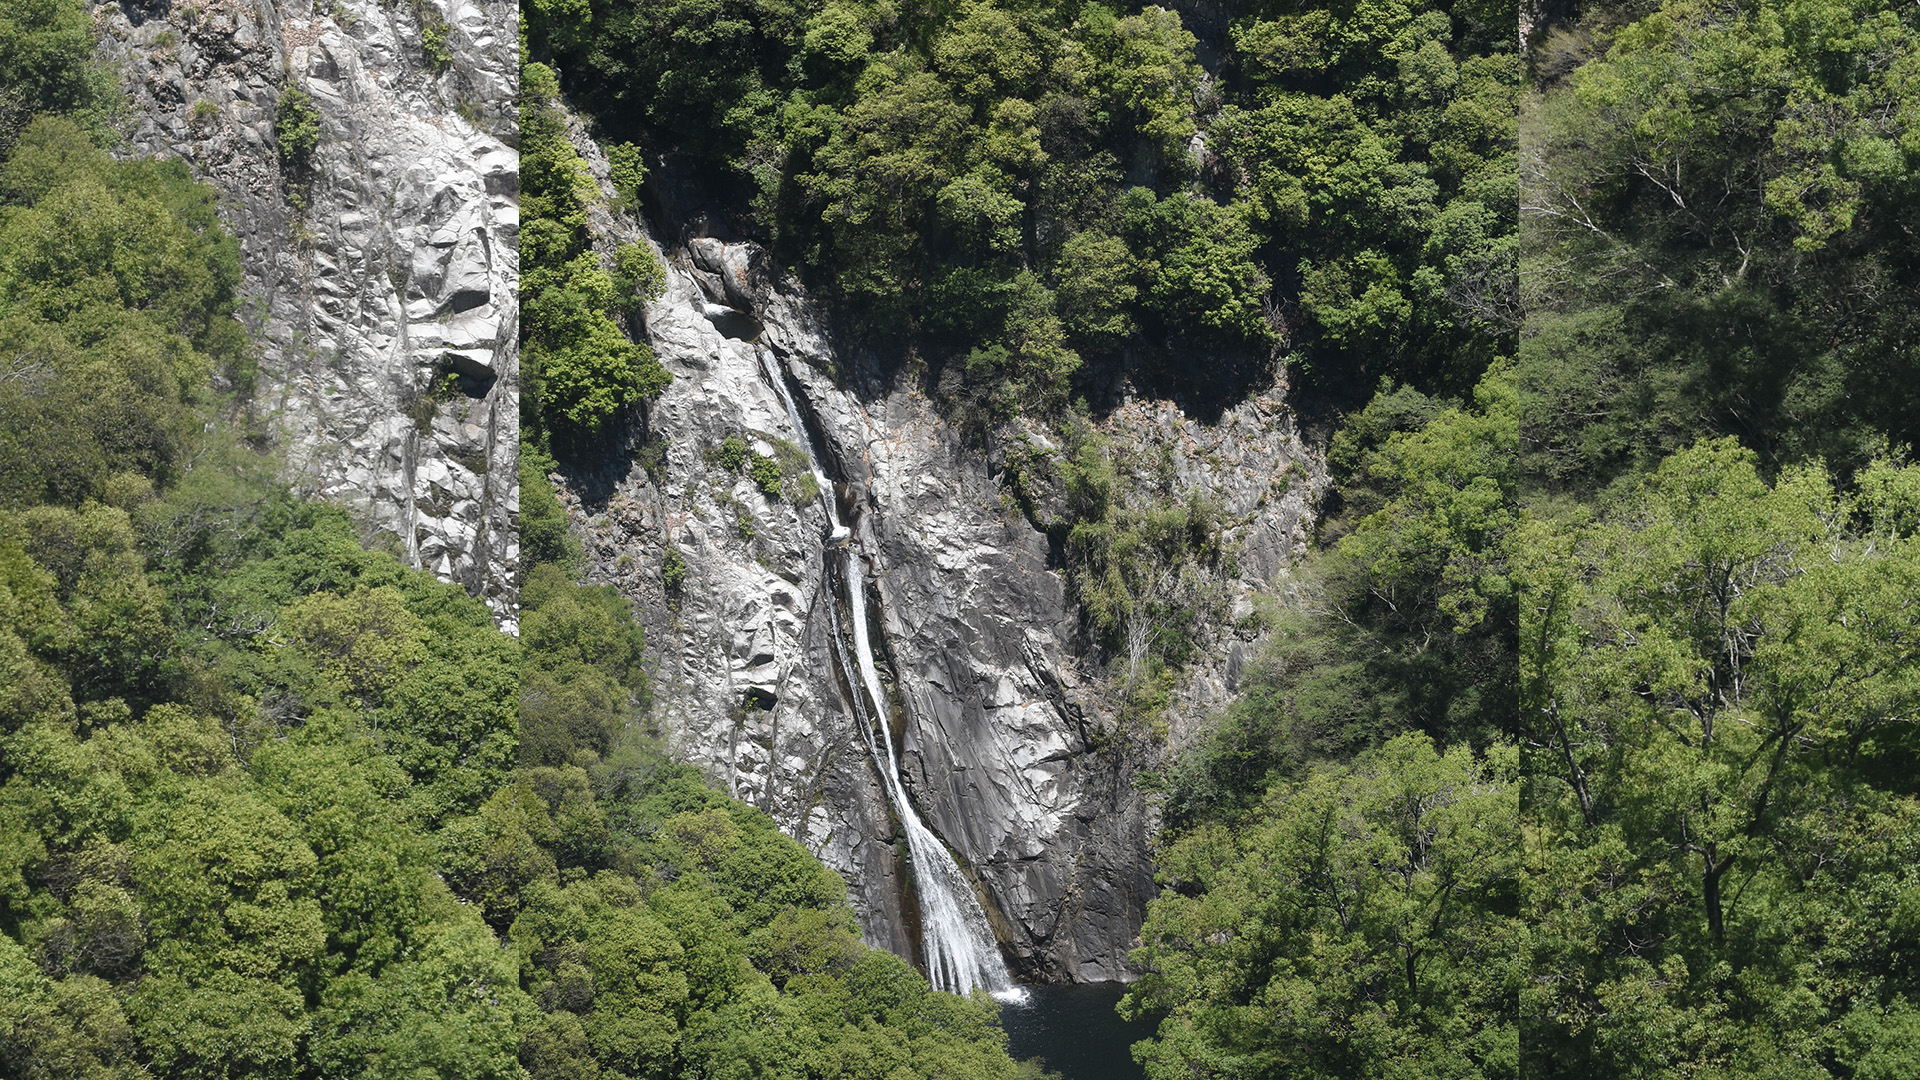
{"type": "Point", "coordinates": [1076, 1030]}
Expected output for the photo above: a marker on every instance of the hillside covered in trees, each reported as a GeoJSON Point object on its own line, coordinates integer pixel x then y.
{"type": "Point", "coordinates": [1581, 744]}
{"type": "Point", "coordinates": [1585, 747]}
{"type": "Point", "coordinates": [1717, 643]}
{"type": "Point", "coordinates": [274, 805]}
{"type": "Point", "coordinates": [1030, 211]}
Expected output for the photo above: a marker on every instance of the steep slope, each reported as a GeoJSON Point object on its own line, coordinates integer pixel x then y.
{"type": "Point", "coordinates": [1009, 742]}
{"type": "Point", "coordinates": [364, 155]}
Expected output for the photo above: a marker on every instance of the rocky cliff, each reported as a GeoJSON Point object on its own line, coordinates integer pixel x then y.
{"type": "Point", "coordinates": [1006, 727]}
{"type": "Point", "coordinates": [381, 267]}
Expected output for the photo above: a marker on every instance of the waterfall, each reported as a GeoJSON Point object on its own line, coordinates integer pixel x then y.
{"type": "Point", "coordinates": [956, 938]}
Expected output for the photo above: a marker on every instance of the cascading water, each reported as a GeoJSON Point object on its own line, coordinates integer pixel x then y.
{"type": "Point", "coordinates": [956, 937]}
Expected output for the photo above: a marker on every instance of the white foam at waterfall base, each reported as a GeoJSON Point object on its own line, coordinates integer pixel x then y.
{"type": "Point", "coordinates": [956, 937]}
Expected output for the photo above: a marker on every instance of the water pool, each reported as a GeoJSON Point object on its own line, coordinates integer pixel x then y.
{"type": "Point", "coordinates": [1075, 1029]}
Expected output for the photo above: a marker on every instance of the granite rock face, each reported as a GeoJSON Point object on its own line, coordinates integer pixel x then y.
{"type": "Point", "coordinates": [1004, 718]}
{"type": "Point", "coordinates": [381, 279]}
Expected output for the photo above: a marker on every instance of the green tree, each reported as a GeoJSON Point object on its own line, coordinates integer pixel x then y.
{"type": "Point", "coordinates": [296, 127]}
{"type": "Point", "coordinates": [116, 305]}
{"type": "Point", "coordinates": [1096, 288]}
{"type": "Point", "coordinates": [453, 1007]}
{"type": "Point", "coordinates": [1704, 198]}
{"type": "Point", "coordinates": [1148, 68]}
{"type": "Point", "coordinates": [581, 369]}
{"type": "Point", "coordinates": [1714, 669]}
{"type": "Point", "coordinates": [71, 1027]}
{"type": "Point", "coordinates": [1361, 922]}
{"type": "Point", "coordinates": [543, 522]}
{"type": "Point", "coordinates": [47, 65]}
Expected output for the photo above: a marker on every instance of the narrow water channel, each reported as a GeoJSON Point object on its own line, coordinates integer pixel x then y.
{"type": "Point", "coordinates": [1075, 1031]}
{"type": "Point", "coordinates": [956, 938]}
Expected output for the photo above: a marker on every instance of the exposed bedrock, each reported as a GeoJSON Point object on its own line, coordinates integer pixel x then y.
{"type": "Point", "coordinates": [998, 707]}
{"type": "Point", "coordinates": [381, 268]}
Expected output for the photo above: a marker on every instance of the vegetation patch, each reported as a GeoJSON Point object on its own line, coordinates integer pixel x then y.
{"type": "Point", "coordinates": [296, 129]}
{"type": "Point", "coordinates": [434, 33]}
{"type": "Point", "coordinates": [785, 474]}
{"type": "Point", "coordinates": [579, 369]}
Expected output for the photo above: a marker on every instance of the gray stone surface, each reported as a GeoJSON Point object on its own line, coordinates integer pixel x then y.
{"type": "Point", "coordinates": [400, 269]}
{"type": "Point", "coordinates": [997, 703]}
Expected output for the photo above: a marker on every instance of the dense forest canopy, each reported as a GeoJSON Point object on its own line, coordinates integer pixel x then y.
{"type": "Point", "coordinates": [1720, 675]}
{"type": "Point", "coordinates": [1708, 535]}
{"type": "Point", "coordinates": [1716, 643]}
{"type": "Point", "coordinates": [1720, 210]}
{"type": "Point", "coordinates": [1020, 190]}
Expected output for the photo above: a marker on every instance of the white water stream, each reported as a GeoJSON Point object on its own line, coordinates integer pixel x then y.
{"type": "Point", "coordinates": [955, 935]}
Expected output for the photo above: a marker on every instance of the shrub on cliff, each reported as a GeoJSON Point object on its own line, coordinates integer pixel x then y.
{"type": "Point", "coordinates": [580, 370]}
